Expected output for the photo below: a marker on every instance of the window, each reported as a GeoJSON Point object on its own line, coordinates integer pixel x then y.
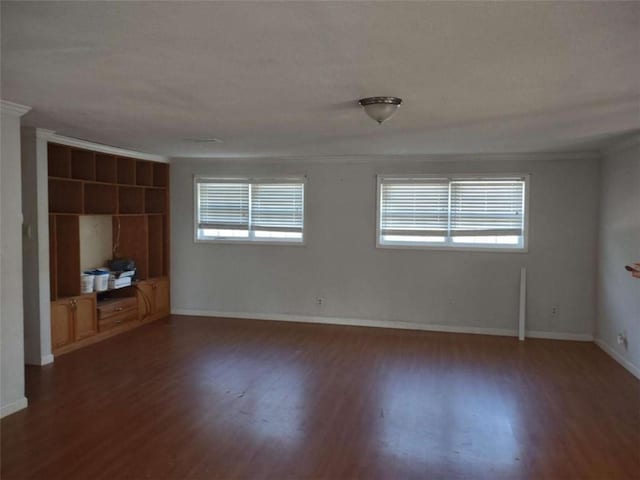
{"type": "Point", "coordinates": [453, 212]}
{"type": "Point", "coordinates": [249, 210]}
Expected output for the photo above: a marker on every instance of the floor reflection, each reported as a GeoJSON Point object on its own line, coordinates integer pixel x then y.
{"type": "Point", "coordinates": [262, 400]}
{"type": "Point", "coordinates": [447, 419]}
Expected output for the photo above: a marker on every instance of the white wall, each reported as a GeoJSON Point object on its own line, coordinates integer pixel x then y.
{"type": "Point", "coordinates": [35, 246]}
{"type": "Point", "coordinates": [424, 288]}
{"type": "Point", "coordinates": [619, 245]}
{"type": "Point", "coordinates": [96, 241]}
{"type": "Point", "coordinates": [11, 314]}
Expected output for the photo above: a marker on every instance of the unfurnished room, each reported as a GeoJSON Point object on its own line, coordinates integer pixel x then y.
{"type": "Point", "coordinates": [320, 240]}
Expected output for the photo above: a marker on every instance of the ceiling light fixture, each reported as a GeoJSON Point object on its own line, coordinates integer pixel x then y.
{"type": "Point", "coordinates": [380, 108]}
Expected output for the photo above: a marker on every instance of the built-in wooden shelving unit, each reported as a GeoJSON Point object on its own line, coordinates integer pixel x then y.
{"type": "Point", "coordinates": [135, 193]}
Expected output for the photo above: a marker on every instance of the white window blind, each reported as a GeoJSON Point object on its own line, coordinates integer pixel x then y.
{"type": "Point", "coordinates": [487, 207]}
{"type": "Point", "coordinates": [250, 209]}
{"type": "Point", "coordinates": [452, 212]}
{"type": "Point", "coordinates": [223, 205]}
{"type": "Point", "coordinates": [412, 208]}
{"type": "Point", "coordinates": [277, 207]}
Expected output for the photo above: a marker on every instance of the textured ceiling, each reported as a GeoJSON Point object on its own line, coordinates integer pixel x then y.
{"type": "Point", "coordinates": [273, 79]}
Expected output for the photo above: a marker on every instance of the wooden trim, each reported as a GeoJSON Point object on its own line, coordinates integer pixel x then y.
{"type": "Point", "coordinates": [98, 337]}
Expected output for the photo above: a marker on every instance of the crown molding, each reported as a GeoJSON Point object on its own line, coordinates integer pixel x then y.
{"type": "Point", "coordinates": [39, 132]}
{"type": "Point", "coordinates": [14, 109]}
{"type": "Point", "coordinates": [378, 158]}
{"type": "Point", "coordinates": [44, 133]}
{"type": "Point", "coordinates": [99, 147]}
{"type": "Point", "coordinates": [625, 144]}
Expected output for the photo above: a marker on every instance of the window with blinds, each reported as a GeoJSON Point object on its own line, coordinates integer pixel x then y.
{"type": "Point", "coordinates": [256, 210]}
{"type": "Point", "coordinates": [487, 212]}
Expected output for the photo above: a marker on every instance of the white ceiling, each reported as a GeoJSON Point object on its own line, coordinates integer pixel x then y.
{"type": "Point", "coordinates": [274, 79]}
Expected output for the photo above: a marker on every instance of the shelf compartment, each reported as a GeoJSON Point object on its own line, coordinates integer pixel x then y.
{"type": "Point", "coordinates": [59, 160]}
{"type": "Point", "coordinates": [67, 255]}
{"type": "Point", "coordinates": [53, 265]}
{"type": "Point", "coordinates": [144, 173]}
{"type": "Point", "coordinates": [155, 200]}
{"type": "Point", "coordinates": [100, 198]}
{"type": "Point", "coordinates": [65, 196]}
{"type": "Point", "coordinates": [130, 235]}
{"type": "Point", "coordinates": [126, 169]}
{"type": "Point", "coordinates": [106, 168]}
{"type": "Point", "coordinates": [83, 164]}
{"type": "Point", "coordinates": [156, 229]}
{"type": "Point", "coordinates": [160, 174]}
{"type": "Point", "coordinates": [131, 199]}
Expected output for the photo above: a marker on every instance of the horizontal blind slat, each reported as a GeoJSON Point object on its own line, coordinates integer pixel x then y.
{"type": "Point", "coordinates": [487, 208]}
{"type": "Point", "coordinates": [223, 204]}
{"type": "Point", "coordinates": [413, 209]}
{"type": "Point", "coordinates": [277, 207]}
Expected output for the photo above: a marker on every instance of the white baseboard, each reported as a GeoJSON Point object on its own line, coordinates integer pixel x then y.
{"type": "Point", "coordinates": [575, 337]}
{"type": "Point", "coordinates": [635, 371]}
{"type": "Point", "coordinates": [38, 362]}
{"type": "Point", "coordinates": [359, 322]}
{"type": "Point", "coordinates": [13, 407]}
{"type": "Point", "coordinates": [46, 359]}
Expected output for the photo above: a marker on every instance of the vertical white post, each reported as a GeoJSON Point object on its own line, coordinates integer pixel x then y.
{"type": "Point", "coordinates": [523, 303]}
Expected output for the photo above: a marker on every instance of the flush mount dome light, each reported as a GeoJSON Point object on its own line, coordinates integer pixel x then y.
{"type": "Point", "coordinates": [380, 108]}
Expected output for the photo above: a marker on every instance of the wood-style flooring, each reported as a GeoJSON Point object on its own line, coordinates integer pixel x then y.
{"type": "Point", "coordinates": [205, 398]}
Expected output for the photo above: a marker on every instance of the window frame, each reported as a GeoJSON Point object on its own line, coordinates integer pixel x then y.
{"type": "Point", "coordinates": [451, 247]}
{"type": "Point", "coordinates": [250, 180]}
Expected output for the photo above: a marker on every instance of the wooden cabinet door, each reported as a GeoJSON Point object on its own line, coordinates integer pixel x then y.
{"type": "Point", "coordinates": [61, 324]}
{"type": "Point", "coordinates": [145, 296]}
{"type": "Point", "coordinates": [85, 318]}
{"type": "Point", "coordinates": [162, 297]}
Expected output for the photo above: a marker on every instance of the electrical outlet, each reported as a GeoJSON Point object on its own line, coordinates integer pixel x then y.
{"type": "Point", "coordinates": [555, 311]}
{"type": "Point", "coordinates": [319, 301]}
{"type": "Point", "coordinates": [622, 339]}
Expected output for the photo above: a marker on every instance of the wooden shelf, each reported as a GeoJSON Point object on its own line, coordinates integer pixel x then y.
{"type": "Point", "coordinates": [126, 170]}
{"type": "Point", "coordinates": [106, 168]}
{"type": "Point", "coordinates": [66, 251]}
{"type": "Point", "coordinates": [100, 198]}
{"type": "Point", "coordinates": [130, 233]}
{"type": "Point", "coordinates": [65, 196]}
{"type": "Point", "coordinates": [131, 200]}
{"type": "Point", "coordinates": [144, 173]}
{"type": "Point", "coordinates": [156, 246]}
{"type": "Point", "coordinates": [155, 200]}
{"type": "Point", "coordinates": [83, 165]}
{"type": "Point", "coordinates": [59, 160]}
{"type": "Point", "coordinates": [53, 259]}
{"type": "Point", "coordinates": [160, 174]}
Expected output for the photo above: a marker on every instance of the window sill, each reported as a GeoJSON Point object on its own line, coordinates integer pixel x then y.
{"type": "Point", "coordinates": [449, 248]}
{"type": "Point", "coordinates": [251, 242]}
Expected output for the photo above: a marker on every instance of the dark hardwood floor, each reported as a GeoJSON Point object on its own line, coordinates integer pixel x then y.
{"type": "Point", "coordinates": [202, 398]}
